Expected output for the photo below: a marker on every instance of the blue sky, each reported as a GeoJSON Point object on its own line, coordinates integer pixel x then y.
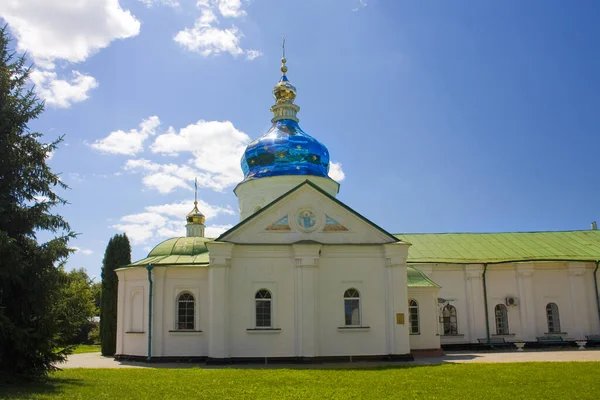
{"type": "Point", "coordinates": [440, 116]}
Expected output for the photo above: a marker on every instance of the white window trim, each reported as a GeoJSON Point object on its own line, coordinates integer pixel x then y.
{"type": "Point", "coordinates": [179, 292]}
{"type": "Point", "coordinates": [360, 308]}
{"type": "Point", "coordinates": [272, 314]}
{"type": "Point", "coordinates": [418, 332]}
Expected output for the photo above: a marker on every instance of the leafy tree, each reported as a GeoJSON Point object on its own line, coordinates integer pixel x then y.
{"type": "Point", "coordinates": [97, 293]}
{"type": "Point", "coordinates": [75, 306]}
{"type": "Point", "coordinates": [31, 337]}
{"type": "Point", "coordinates": [117, 254]}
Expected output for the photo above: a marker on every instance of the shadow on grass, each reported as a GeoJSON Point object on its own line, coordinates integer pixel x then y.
{"type": "Point", "coordinates": [325, 365]}
{"type": "Point", "coordinates": [49, 386]}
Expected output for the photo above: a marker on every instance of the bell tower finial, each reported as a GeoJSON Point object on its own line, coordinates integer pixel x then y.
{"type": "Point", "coordinates": [195, 219]}
{"type": "Point", "coordinates": [284, 93]}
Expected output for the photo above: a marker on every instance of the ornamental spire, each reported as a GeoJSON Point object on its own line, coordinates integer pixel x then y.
{"type": "Point", "coordinates": [195, 219]}
{"type": "Point", "coordinates": [284, 93]}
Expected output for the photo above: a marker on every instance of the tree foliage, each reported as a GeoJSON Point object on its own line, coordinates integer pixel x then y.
{"type": "Point", "coordinates": [117, 254]}
{"type": "Point", "coordinates": [30, 270]}
{"type": "Point", "coordinates": [75, 307]}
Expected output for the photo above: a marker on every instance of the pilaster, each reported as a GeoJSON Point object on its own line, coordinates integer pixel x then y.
{"type": "Point", "coordinates": [158, 314]}
{"type": "Point", "coordinates": [579, 305]}
{"type": "Point", "coordinates": [396, 297]}
{"type": "Point", "coordinates": [306, 299]}
{"type": "Point", "coordinates": [218, 299]}
{"type": "Point", "coordinates": [120, 311]}
{"type": "Point", "coordinates": [475, 304]}
{"type": "Point", "coordinates": [527, 302]}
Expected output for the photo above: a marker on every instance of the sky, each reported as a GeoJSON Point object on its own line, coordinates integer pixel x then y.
{"type": "Point", "coordinates": [439, 116]}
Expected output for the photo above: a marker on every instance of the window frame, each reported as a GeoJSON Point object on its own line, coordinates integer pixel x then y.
{"type": "Point", "coordinates": [501, 319]}
{"type": "Point", "coordinates": [450, 308]}
{"type": "Point", "coordinates": [413, 314]}
{"type": "Point", "coordinates": [193, 301]}
{"type": "Point", "coordinates": [263, 300]}
{"type": "Point", "coordinates": [553, 311]}
{"type": "Point", "coordinates": [348, 298]}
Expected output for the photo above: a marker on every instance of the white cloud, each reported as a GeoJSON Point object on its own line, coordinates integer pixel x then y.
{"type": "Point", "coordinates": [60, 92]}
{"type": "Point", "coordinates": [169, 3]}
{"type": "Point", "coordinates": [230, 8]}
{"type": "Point", "coordinates": [180, 210]}
{"type": "Point", "coordinates": [207, 39]}
{"type": "Point", "coordinates": [168, 220]}
{"type": "Point", "coordinates": [252, 54]}
{"type": "Point", "coordinates": [361, 4]}
{"type": "Point", "coordinates": [86, 252]}
{"type": "Point", "coordinates": [335, 171]}
{"type": "Point", "coordinates": [216, 147]}
{"type": "Point", "coordinates": [215, 231]}
{"type": "Point", "coordinates": [128, 143]}
{"type": "Point", "coordinates": [68, 30]}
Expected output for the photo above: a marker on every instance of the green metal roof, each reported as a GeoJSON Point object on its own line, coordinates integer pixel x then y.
{"type": "Point", "coordinates": [417, 278]}
{"type": "Point", "coordinates": [177, 251]}
{"type": "Point", "coordinates": [471, 248]}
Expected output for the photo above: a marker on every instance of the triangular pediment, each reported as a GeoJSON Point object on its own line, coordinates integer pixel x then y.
{"type": "Point", "coordinates": [307, 213]}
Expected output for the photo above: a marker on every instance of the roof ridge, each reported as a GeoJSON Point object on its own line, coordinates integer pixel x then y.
{"type": "Point", "coordinates": [492, 233]}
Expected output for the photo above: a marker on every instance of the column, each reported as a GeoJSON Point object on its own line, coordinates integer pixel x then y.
{"type": "Point", "coordinates": [306, 299]}
{"type": "Point", "coordinates": [218, 299]}
{"type": "Point", "coordinates": [396, 298]}
{"type": "Point", "coordinates": [120, 311]}
{"type": "Point", "coordinates": [529, 329]}
{"type": "Point", "coordinates": [475, 304]}
{"type": "Point", "coordinates": [158, 305]}
{"type": "Point", "coordinates": [579, 305]}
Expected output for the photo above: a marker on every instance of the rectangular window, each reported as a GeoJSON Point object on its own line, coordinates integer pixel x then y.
{"type": "Point", "coordinates": [352, 312]}
{"type": "Point", "coordinates": [263, 313]}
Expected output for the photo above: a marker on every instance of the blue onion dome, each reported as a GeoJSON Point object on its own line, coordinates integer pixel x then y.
{"type": "Point", "coordinates": [285, 149]}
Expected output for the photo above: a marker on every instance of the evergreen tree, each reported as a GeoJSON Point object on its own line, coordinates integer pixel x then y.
{"type": "Point", "coordinates": [117, 254]}
{"type": "Point", "coordinates": [31, 340]}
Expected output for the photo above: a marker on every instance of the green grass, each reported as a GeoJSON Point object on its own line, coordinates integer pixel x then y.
{"type": "Point", "coordinates": [86, 348]}
{"type": "Point", "coordinates": [448, 381]}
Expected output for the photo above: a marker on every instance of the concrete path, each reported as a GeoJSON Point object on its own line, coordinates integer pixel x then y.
{"type": "Point", "coordinates": [95, 360]}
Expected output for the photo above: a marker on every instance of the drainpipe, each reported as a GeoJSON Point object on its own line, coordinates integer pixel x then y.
{"type": "Point", "coordinates": [149, 268]}
{"type": "Point", "coordinates": [596, 287]}
{"type": "Point", "coordinates": [485, 303]}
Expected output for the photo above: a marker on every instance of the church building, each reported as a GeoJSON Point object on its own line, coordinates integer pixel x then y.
{"type": "Point", "coordinates": [304, 277]}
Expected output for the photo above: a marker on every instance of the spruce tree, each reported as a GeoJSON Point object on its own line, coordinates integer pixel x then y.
{"type": "Point", "coordinates": [31, 340]}
{"type": "Point", "coordinates": [117, 254]}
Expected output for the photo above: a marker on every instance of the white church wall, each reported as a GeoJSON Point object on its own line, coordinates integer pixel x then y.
{"type": "Point", "coordinates": [569, 285]}
{"type": "Point", "coordinates": [178, 342]}
{"type": "Point", "coordinates": [133, 319]}
{"type": "Point", "coordinates": [258, 193]}
{"type": "Point", "coordinates": [339, 270]}
{"type": "Point", "coordinates": [358, 232]}
{"type": "Point", "coordinates": [428, 337]}
{"type": "Point", "coordinates": [502, 283]}
{"type": "Point", "coordinates": [254, 268]}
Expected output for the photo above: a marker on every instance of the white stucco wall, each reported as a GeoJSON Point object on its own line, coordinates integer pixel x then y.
{"type": "Point", "coordinates": [428, 337]}
{"type": "Point", "coordinates": [570, 285]}
{"type": "Point", "coordinates": [257, 193]}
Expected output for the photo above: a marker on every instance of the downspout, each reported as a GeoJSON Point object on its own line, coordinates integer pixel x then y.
{"type": "Point", "coordinates": [485, 303]}
{"type": "Point", "coordinates": [149, 268]}
{"type": "Point", "coordinates": [596, 287]}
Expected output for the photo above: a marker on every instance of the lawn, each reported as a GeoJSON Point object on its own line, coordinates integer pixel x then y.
{"type": "Point", "coordinates": [86, 348]}
{"type": "Point", "coordinates": [449, 381]}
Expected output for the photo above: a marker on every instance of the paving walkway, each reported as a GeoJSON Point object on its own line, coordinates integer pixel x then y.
{"type": "Point", "coordinates": [95, 360]}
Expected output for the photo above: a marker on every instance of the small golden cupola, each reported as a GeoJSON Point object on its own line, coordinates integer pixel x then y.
{"type": "Point", "coordinates": [195, 219]}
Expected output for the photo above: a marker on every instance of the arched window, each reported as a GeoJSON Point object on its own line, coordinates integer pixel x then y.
{"type": "Point", "coordinates": [553, 318]}
{"type": "Point", "coordinates": [450, 322]}
{"type": "Point", "coordinates": [186, 311]}
{"type": "Point", "coordinates": [352, 307]}
{"type": "Point", "coordinates": [263, 300]}
{"type": "Point", "coordinates": [501, 319]}
{"type": "Point", "coordinates": [413, 317]}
